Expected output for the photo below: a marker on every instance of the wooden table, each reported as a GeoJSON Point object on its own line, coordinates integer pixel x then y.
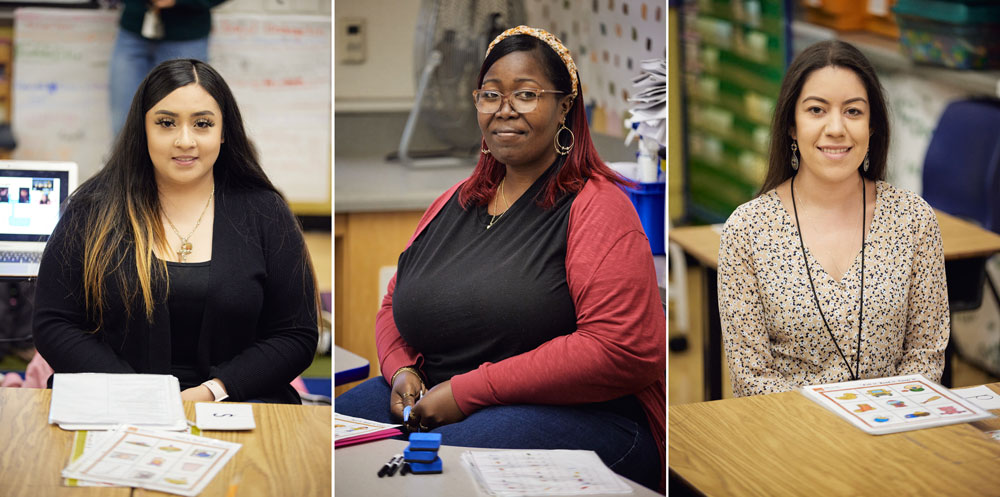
{"type": "Point", "coordinates": [288, 453]}
{"type": "Point", "coordinates": [785, 444]}
{"type": "Point", "coordinates": [962, 242]}
{"type": "Point", "coordinates": [357, 467]}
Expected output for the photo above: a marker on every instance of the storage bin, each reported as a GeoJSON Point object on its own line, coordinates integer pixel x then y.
{"type": "Point", "coordinates": [649, 200]}
{"type": "Point", "coordinates": [880, 20]}
{"type": "Point", "coordinates": [956, 34]}
{"type": "Point", "coordinates": [842, 15]}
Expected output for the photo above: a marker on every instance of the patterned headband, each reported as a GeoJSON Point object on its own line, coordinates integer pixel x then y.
{"type": "Point", "coordinates": [548, 38]}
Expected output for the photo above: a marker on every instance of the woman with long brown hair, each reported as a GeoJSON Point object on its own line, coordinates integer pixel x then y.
{"type": "Point", "coordinates": [831, 273]}
{"type": "Point", "coordinates": [179, 256]}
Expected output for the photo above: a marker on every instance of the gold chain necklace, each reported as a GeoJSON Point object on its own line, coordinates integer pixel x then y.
{"type": "Point", "coordinates": [186, 246]}
{"type": "Point", "coordinates": [506, 205]}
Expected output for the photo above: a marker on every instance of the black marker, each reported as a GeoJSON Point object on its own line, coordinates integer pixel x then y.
{"type": "Point", "coordinates": [385, 467]}
{"type": "Point", "coordinates": [397, 461]}
{"type": "Point", "coordinates": [406, 469]}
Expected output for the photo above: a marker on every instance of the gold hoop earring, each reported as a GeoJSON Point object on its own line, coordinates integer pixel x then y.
{"type": "Point", "coordinates": [564, 149]}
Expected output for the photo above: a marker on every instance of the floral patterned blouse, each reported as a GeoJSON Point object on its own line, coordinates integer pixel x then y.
{"type": "Point", "coordinates": [774, 336]}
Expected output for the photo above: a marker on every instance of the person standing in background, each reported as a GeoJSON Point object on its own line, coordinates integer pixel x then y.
{"type": "Point", "coordinates": [150, 32]}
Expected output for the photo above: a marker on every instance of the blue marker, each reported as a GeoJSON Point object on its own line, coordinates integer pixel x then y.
{"type": "Point", "coordinates": [406, 413]}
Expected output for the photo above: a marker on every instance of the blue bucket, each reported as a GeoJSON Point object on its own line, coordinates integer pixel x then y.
{"type": "Point", "coordinates": [649, 200]}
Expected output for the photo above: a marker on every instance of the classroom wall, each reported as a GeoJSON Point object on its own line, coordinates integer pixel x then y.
{"type": "Point", "coordinates": [276, 65]}
{"type": "Point", "coordinates": [385, 80]}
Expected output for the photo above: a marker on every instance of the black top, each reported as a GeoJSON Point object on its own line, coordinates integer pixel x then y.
{"type": "Point", "coordinates": [186, 20]}
{"type": "Point", "coordinates": [186, 302]}
{"type": "Point", "coordinates": [258, 329]}
{"type": "Point", "coordinates": [466, 295]}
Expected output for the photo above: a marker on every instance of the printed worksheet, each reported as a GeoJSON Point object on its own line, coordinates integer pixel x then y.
{"type": "Point", "coordinates": [83, 442]}
{"type": "Point", "coordinates": [176, 463]}
{"type": "Point", "coordinates": [899, 403]}
{"type": "Point", "coordinates": [348, 430]}
{"type": "Point", "coordinates": [516, 473]}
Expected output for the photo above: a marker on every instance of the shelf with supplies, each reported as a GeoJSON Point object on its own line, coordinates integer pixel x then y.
{"type": "Point", "coordinates": [885, 54]}
{"type": "Point", "coordinates": [736, 55]}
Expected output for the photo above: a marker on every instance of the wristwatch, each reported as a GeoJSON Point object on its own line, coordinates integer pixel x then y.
{"type": "Point", "coordinates": [216, 389]}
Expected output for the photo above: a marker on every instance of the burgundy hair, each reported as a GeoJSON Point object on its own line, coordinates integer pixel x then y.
{"type": "Point", "coordinates": [580, 164]}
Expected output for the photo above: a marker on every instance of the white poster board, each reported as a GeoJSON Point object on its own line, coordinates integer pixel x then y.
{"type": "Point", "coordinates": [278, 67]}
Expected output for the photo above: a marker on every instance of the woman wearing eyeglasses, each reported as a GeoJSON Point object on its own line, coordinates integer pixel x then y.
{"type": "Point", "coordinates": [525, 311]}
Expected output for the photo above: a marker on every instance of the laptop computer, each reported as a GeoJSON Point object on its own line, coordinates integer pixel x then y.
{"type": "Point", "coordinates": [32, 196]}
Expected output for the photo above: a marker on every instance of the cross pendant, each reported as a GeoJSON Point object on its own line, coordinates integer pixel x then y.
{"type": "Point", "coordinates": [184, 251]}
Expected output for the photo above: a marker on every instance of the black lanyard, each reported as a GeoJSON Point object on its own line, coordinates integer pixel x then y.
{"type": "Point", "coordinates": [856, 372]}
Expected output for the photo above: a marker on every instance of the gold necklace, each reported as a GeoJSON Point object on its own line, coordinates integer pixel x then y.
{"type": "Point", "coordinates": [506, 205]}
{"type": "Point", "coordinates": [186, 246]}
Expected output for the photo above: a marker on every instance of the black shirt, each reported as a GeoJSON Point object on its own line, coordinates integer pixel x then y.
{"type": "Point", "coordinates": [186, 303]}
{"type": "Point", "coordinates": [466, 295]}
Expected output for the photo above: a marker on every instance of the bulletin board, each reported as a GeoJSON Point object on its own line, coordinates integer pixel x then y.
{"type": "Point", "coordinates": [608, 39]}
{"type": "Point", "coordinates": [277, 66]}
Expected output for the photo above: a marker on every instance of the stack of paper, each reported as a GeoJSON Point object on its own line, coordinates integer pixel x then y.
{"type": "Point", "coordinates": [177, 463]}
{"type": "Point", "coordinates": [348, 430]}
{"type": "Point", "coordinates": [100, 401]}
{"type": "Point", "coordinates": [515, 473]}
{"type": "Point", "coordinates": [648, 104]}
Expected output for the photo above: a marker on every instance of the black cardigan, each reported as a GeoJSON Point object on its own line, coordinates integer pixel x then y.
{"type": "Point", "coordinates": [259, 329]}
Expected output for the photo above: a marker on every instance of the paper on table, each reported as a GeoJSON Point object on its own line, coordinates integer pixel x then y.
{"type": "Point", "coordinates": [515, 473]}
{"type": "Point", "coordinates": [349, 430]}
{"type": "Point", "coordinates": [224, 416]}
{"type": "Point", "coordinates": [99, 401]}
{"type": "Point", "coordinates": [982, 396]}
{"type": "Point", "coordinates": [84, 441]}
{"type": "Point", "coordinates": [176, 463]}
{"type": "Point", "coordinates": [898, 403]}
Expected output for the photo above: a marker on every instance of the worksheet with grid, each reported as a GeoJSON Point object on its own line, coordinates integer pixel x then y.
{"type": "Point", "coordinates": [899, 403]}
{"type": "Point", "coordinates": [171, 462]}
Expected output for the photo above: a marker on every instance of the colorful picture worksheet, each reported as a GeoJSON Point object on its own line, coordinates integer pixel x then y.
{"type": "Point", "coordinates": [517, 473]}
{"type": "Point", "coordinates": [899, 403]}
{"type": "Point", "coordinates": [176, 463]}
{"type": "Point", "coordinates": [348, 430]}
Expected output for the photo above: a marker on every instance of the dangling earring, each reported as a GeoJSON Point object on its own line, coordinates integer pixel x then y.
{"type": "Point", "coordinates": [865, 166]}
{"type": "Point", "coordinates": [483, 149]}
{"type": "Point", "coordinates": [564, 149]}
{"type": "Point", "coordinates": [795, 158]}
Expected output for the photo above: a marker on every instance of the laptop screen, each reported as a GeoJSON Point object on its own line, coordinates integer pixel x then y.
{"type": "Point", "coordinates": [30, 203]}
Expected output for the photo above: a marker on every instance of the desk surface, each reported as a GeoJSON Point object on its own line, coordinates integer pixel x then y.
{"type": "Point", "coordinates": [961, 240]}
{"type": "Point", "coordinates": [288, 453]}
{"type": "Point", "coordinates": [372, 184]}
{"type": "Point", "coordinates": [786, 444]}
{"type": "Point", "coordinates": [357, 467]}
{"type": "Point", "coordinates": [348, 366]}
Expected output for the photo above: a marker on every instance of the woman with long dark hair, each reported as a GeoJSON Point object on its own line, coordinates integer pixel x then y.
{"type": "Point", "coordinates": [831, 274]}
{"type": "Point", "coordinates": [179, 256]}
{"type": "Point", "coordinates": [525, 312]}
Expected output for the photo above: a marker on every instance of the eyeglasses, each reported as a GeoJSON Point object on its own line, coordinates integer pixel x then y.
{"type": "Point", "coordinates": [522, 101]}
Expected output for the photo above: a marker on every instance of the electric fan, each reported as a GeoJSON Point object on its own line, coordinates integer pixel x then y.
{"type": "Point", "coordinates": [451, 40]}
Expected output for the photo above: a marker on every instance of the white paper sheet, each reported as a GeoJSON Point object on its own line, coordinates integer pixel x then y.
{"type": "Point", "coordinates": [899, 403]}
{"type": "Point", "coordinates": [99, 401]}
{"type": "Point", "coordinates": [982, 396]}
{"type": "Point", "coordinates": [176, 463]}
{"type": "Point", "coordinates": [515, 473]}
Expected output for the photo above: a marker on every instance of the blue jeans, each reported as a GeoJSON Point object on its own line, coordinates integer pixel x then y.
{"type": "Point", "coordinates": [132, 59]}
{"type": "Point", "coordinates": [627, 447]}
